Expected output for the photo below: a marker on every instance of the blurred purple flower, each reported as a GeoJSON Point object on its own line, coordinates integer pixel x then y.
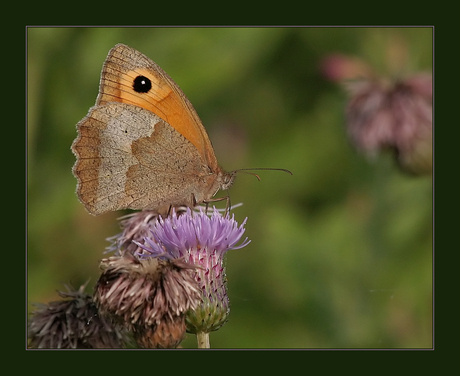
{"type": "Point", "coordinates": [394, 115]}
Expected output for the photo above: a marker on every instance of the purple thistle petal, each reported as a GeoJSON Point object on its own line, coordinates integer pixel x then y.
{"type": "Point", "coordinates": [178, 235]}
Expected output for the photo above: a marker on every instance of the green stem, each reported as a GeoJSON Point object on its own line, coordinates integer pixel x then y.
{"type": "Point", "coordinates": [203, 340]}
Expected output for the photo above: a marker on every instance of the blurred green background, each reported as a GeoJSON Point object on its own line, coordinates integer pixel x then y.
{"type": "Point", "coordinates": [341, 252]}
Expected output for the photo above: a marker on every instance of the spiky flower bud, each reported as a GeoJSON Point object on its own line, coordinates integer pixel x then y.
{"type": "Point", "coordinates": [149, 296]}
{"type": "Point", "coordinates": [73, 323]}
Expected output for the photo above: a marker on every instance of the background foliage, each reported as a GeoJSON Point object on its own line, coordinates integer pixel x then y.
{"type": "Point", "coordinates": [341, 252]}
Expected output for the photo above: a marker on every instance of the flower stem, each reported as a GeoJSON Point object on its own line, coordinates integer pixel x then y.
{"type": "Point", "coordinates": [203, 340]}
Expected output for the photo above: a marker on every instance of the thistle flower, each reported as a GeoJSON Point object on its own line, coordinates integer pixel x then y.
{"type": "Point", "coordinates": [72, 323]}
{"type": "Point", "coordinates": [202, 241]}
{"type": "Point", "coordinates": [148, 297]}
{"type": "Point", "coordinates": [394, 115]}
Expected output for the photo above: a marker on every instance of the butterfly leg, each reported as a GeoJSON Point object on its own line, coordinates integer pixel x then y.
{"type": "Point", "coordinates": [226, 198]}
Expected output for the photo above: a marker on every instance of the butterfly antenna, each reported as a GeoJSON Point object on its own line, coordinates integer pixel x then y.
{"type": "Point", "coordinates": [249, 171]}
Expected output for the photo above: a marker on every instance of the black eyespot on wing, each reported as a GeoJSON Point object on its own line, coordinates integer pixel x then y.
{"type": "Point", "coordinates": [142, 84]}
